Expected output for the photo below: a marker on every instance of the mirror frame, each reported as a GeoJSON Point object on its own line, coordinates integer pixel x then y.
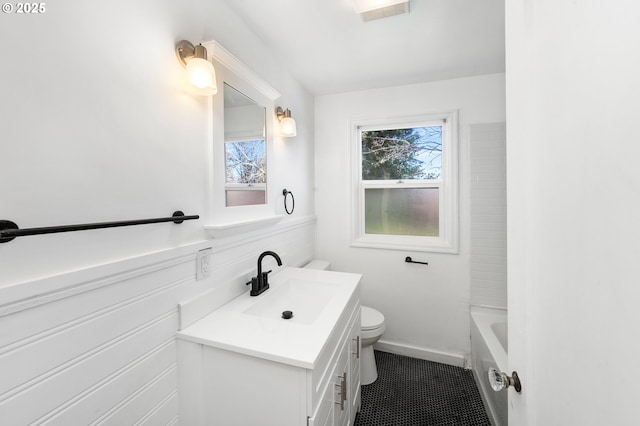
{"type": "Point", "coordinates": [220, 219]}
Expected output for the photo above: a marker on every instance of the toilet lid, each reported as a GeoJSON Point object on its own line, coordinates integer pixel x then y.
{"type": "Point", "coordinates": [370, 318]}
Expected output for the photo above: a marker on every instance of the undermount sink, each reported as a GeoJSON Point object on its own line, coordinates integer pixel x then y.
{"type": "Point", "coordinates": [305, 299]}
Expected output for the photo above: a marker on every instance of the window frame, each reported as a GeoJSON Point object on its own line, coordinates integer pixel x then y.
{"type": "Point", "coordinates": [447, 241]}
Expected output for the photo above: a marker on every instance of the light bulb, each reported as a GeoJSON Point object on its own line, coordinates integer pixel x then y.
{"type": "Point", "coordinates": [288, 127]}
{"type": "Point", "coordinates": [201, 77]}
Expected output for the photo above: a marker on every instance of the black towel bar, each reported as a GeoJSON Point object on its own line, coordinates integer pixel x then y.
{"type": "Point", "coordinates": [10, 230]}
{"type": "Point", "coordinates": [409, 260]}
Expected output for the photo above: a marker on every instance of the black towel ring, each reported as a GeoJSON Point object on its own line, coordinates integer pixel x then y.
{"type": "Point", "coordinates": [293, 201]}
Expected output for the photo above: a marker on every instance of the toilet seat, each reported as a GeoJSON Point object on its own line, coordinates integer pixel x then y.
{"type": "Point", "coordinates": [370, 319]}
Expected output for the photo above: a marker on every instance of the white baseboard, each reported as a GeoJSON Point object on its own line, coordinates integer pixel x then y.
{"type": "Point", "coordinates": [428, 354]}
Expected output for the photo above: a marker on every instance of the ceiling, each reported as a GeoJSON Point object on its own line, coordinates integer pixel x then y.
{"type": "Point", "coordinates": [329, 49]}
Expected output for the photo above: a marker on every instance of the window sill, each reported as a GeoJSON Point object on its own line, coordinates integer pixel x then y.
{"type": "Point", "coordinates": [406, 246]}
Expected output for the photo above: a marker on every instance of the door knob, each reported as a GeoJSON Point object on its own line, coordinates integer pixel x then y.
{"type": "Point", "coordinates": [500, 380]}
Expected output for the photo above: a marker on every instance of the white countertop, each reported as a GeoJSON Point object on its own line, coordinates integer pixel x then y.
{"type": "Point", "coordinates": [297, 341]}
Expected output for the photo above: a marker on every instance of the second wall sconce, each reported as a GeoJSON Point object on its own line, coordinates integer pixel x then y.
{"type": "Point", "coordinates": [201, 75]}
{"type": "Point", "coordinates": [287, 124]}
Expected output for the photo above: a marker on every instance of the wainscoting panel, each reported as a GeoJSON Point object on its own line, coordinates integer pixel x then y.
{"type": "Point", "coordinates": [55, 309]}
{"type": "Point", "coordinates": [110, 395]}
{"type": "Point", "coordinates": [80, 341]}
{"type": "Point", "coordinates": [98, 347]}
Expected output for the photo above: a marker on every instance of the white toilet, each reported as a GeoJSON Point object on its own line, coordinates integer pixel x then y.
{"type": "Point", "coordinates": [371, 328]}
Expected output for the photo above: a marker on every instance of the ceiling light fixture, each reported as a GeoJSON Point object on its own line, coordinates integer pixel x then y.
{"type": "Point", "coordinates": [287, 124]}
{"type": "Point", "coordinates": [378, 9]}
{"type": "Point", "coordinates": [201, 75]}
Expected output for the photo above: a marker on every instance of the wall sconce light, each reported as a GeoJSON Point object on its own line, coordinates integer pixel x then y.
{"type": "Point", "coordinates": [287, 124]}
{"type": "Point", "coordinates": [201, 75]}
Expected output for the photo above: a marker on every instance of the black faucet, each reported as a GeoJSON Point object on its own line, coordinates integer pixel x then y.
{"type": "Point", "coordinates": [260, 283]}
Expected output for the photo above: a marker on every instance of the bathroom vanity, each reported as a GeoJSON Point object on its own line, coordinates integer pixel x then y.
{"type": "Point", "coordinates": [244, 364]}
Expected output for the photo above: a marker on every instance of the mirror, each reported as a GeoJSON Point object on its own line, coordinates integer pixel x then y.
{"type": "Point", "coordinates": [240, 155]}
{"type": "Point", "coordinates": [245, 153]}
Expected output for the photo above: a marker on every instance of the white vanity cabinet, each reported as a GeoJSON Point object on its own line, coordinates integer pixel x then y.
{"type": "Point", "coordinates": [333, 382]}
{"type": "Point", "coordinates": [287, 385]}
{"type": "Point", "coordinates": [354, 367]}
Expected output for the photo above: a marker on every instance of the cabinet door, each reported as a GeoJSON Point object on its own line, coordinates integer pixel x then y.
{"type": "Point", "coordinates": [341, 386]}
{"type": "Point", "coordinates": [324, 415]}
{"type": "Point", "coordinates": [354, 367]}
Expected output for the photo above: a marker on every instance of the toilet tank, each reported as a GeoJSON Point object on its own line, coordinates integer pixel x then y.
{"type": "Point", "coordinates": [318, 264]}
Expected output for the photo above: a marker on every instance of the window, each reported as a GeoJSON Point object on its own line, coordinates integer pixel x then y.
{"type": "Point", "coordinates": [405, 184]}
{"type": "Point", "coordinates": [245, 173]}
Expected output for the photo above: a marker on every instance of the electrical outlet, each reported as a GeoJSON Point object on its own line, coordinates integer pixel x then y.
{"type": "Point", "coordinates": [203, 267]}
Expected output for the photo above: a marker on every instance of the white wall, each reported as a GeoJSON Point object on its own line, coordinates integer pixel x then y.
{"type": "Point", "coordinates": [573, 206]}
{"type": "Point", "coordinates": [98, 127]}
{"type": "Point", "coordinates": [95, 126]}
{"type": "Point", "coordinates": [426, 307]}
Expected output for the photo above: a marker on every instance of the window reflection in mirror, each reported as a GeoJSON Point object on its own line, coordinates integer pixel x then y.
{"type": "Point", "coordinates": [245, 150]}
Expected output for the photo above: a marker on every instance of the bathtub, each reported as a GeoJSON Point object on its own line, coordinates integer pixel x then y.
{"type": "Point", "coordinates": [489, 349]}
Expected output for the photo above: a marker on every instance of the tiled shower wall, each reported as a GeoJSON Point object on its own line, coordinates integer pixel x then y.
{"type": "Point", "coordinates": [488, 215]}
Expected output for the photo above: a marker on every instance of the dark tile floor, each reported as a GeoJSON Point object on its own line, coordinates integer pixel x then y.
{"type": "Point", "coordinates": [414, 392]}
